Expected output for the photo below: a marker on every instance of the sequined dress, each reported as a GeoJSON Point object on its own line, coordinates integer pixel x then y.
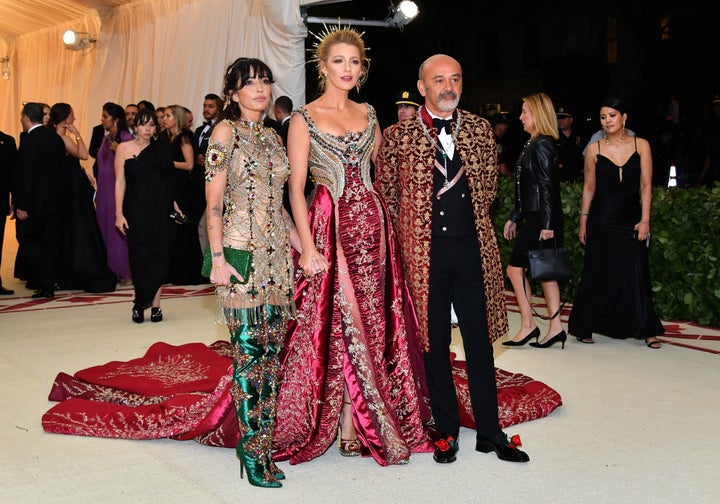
{"type": "Point", "coordinates": [253, 220]}
{"type": "Point", "coordinates": [355, 324]}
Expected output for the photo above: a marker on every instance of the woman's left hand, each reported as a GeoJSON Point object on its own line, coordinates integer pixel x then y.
{"type": "Point", "coordinates": [509, 230]}
{"type": "Point", "coordinates": [643, 230]}
{"type": "Point", "coordinates": [547, 234]}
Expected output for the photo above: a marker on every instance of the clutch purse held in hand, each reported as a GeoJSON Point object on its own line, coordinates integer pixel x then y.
{"type": "Point", "coordinates": [546, 264]}
{"type": "Point", "coordinates": [241, 260]}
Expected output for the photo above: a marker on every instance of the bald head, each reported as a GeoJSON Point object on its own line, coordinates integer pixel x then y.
{"type": "Point", "coordinates": [436, 58]}
{"type": "Point", "coordinates": [440, 82]}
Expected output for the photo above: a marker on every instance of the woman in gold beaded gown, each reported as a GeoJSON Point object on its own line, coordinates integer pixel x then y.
{"type": "Point", "coordinates": [246, 168]}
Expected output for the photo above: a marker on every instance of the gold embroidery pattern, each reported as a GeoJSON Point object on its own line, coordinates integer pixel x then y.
{"type": "Point", "coordinates": [404, 176]}
{"type": "Point", "coordinates": [167, 370]}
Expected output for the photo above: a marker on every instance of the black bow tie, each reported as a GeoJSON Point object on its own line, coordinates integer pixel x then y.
{"type": "Point", "coordinates": [441, 124]}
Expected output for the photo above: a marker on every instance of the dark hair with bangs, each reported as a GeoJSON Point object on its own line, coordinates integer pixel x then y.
{"type": "Point", "coordinates": [237, 75]}
{"type": "Point", "coordinates": [145, 116]}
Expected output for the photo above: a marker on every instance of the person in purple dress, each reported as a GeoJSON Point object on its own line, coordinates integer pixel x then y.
{"type": "Point", "coordinates": [113, 120]}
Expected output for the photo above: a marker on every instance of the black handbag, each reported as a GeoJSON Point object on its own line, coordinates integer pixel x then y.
{"type": "Point", "coordinates": [241, 260]}
{"type": "Point", "coordinates": [545, 264]}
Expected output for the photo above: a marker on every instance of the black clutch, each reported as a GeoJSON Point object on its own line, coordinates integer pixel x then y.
{"type": "Point", "coordinates": [241, 260]}
{"type": "Point", "coordinates": [549, 264]}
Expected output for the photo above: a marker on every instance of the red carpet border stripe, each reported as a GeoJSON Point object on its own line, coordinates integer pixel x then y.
{"type": "Point", "coordinates": [71, 299]}
{"type": "Point", "coordinates": [677, 333]}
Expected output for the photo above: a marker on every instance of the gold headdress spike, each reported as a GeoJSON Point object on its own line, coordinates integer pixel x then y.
{"type": "Point", "coordinates": [320, 37]}
{"type": "Point", "coordinates": [327, 30]}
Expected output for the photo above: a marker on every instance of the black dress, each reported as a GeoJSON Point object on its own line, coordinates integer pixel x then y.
{"type": "Point", "coordinates": [87, 259]}
{"type": "Point", "coordinates": [614, 297]}
{"type": "Point", "coordinates": [146, 206]}
{"type": "Point", "coordinates": [185, 251]}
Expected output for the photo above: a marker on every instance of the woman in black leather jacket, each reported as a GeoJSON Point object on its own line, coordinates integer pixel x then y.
{"type": "Point", "coordinates": [537, 203]}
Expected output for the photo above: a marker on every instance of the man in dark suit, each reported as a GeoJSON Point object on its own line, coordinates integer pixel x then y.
{"type": "Point", "coordinates": [35, 196]}
{"type": "Point", "coordinates": [283, 110]}
{"type": "Point", "coordinates": [211, 111]}
{"type": "Point", "coordinates": [438, 176]}
{"type": "Point", "coordinates": [98, 133]}
{"type": "Point", "coordinates": [212, 105]}
{"type": "Point", "coordinates": [8, 155]}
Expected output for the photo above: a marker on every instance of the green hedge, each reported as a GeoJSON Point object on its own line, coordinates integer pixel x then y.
{"type": "Point", "coordinates": [684, 248]}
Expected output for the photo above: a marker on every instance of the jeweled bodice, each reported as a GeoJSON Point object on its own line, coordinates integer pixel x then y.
{"type": "Point", "coordinates": [257, 168]}
{"type": "Point", "coordinates": [351, 151]}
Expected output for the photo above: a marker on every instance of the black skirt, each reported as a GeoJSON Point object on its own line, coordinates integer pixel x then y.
{"type": "Point", "coordinates": [528, 239]}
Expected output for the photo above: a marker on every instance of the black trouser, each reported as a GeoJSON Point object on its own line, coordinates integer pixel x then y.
{"type": "Point", "coordinates": [39, 237]}
{"type": "Point", "coordinates": [456, 276]}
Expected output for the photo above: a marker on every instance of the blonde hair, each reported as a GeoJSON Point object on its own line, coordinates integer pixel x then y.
{"type": "Point", "coordinates": [337, 35]}
{"type": "Point", "coordinates": [180, 118]}
{"type": "Point", "coordinates": [543, 112]}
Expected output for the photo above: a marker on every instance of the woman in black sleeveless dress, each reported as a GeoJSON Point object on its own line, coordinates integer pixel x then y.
{"type": "Point", "coordinates": [614, 296]}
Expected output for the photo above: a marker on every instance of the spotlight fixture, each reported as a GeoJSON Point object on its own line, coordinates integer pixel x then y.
{"type": "Point", "coordinates": [5, 67]}
{"type": "Point", "coordinates": [402, 14]}
{"type": "Point", "coordinates": [398, 17]}
{"type": "Point", "coordinates": [77, 41]}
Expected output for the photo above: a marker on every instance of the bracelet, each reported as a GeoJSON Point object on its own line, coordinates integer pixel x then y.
{"type": "Point", "coordinates": [219, 265]}
{"type": "Point", "coordinates": [583, 214]}
{"type": "Point", "coordinates": [645, 222]}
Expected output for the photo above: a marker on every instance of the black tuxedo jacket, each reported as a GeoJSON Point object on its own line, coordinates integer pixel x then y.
{"type": "Point", "coordinates": [8, 157]}
{"type": "Point", "coordinates": [283, 131]}
{"type": "Point", "coordinates": [98, 133]}
{"type": "Point", "coordinates": [198, 146]}
{"type": "Point", "coordinates": [38, 172]}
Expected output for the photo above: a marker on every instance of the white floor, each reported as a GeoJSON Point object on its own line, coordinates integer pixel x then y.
{"type": "Point", "coordinates": [636, 425]}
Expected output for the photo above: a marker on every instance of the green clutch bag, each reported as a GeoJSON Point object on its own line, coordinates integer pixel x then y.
{"type": "Point", "coordinates": [241, 260]}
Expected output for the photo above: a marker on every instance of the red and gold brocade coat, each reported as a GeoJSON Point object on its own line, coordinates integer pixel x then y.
{"type": "Point", "coordinates": [404, 176]}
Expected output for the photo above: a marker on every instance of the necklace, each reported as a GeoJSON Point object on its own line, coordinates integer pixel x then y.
{"type": "Point", "coordinates": [620, 140]}
{"type": "Point", "coordinates": [438, 147]}
{"type": "Point", "coordinates": [251, 125]}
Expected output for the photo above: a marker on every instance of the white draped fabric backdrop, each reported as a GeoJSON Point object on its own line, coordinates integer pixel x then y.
{"type": "Point", "coordinates": [165, 51]}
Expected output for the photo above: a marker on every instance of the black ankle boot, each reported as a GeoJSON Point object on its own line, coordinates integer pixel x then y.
{"type": "Point", "coordinates": [156, 314]}
{"type": "Point", "coordinates": [138, 314]}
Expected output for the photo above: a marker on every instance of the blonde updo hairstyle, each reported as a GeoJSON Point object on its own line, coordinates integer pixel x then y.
{"type": "Point", "coordinates": [341, 36]}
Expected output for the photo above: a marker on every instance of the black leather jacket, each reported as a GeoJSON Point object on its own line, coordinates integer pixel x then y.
{"type": "Point", "coordinates": [537, 186]}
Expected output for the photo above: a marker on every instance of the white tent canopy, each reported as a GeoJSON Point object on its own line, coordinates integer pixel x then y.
{"type": "Point", "coordinates": [165, 51]}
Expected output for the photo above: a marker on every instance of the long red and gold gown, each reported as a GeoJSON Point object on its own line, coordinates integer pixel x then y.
{"type": "Point", "coordinates": [355, 323]}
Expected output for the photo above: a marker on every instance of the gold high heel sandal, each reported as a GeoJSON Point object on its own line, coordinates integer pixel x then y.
{"type": "Point", "coordinates": [348, 447]}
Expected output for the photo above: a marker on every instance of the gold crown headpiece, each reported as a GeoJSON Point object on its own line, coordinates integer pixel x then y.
{"type": "Point", "coordinates": [320, 37]}
{"type": "Point", "coordinates": [327, 30]}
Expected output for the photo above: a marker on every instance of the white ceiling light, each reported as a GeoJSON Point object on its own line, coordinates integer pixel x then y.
{"type": "Point", "coordinates": [77, 41]}
{"type": "Point", "coordinates": [398, 17]}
